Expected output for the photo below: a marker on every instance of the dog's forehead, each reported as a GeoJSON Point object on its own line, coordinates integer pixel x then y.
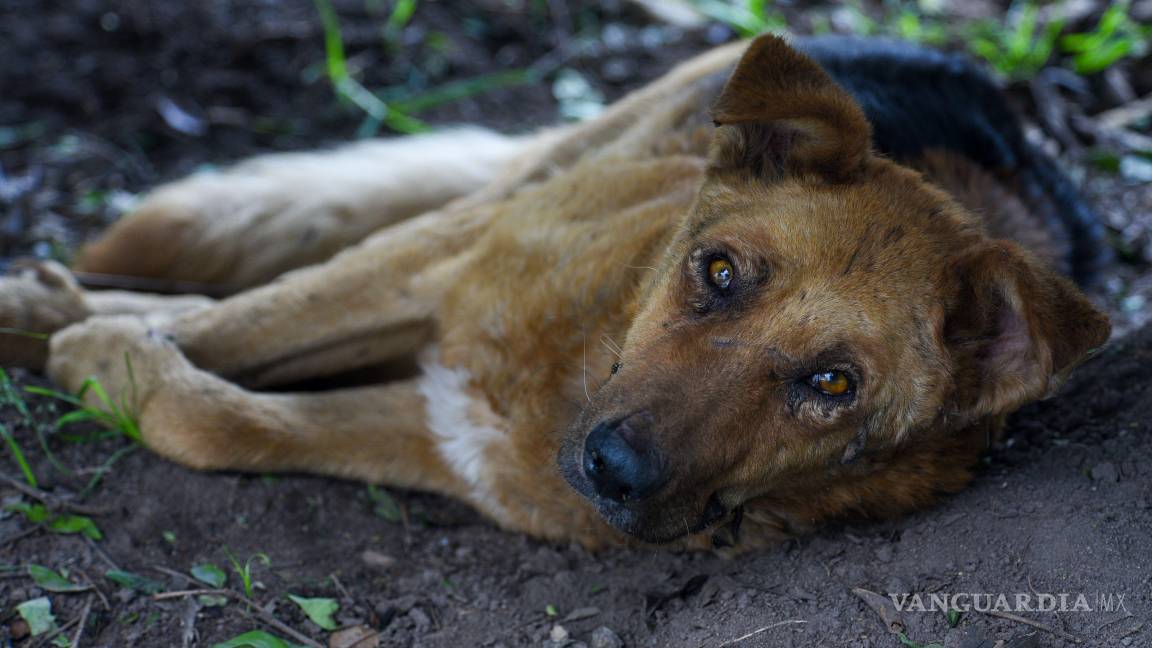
{"type": "Point", "coordinates": [850, 230]}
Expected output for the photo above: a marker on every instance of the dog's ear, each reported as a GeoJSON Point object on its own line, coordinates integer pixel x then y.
{"type": "Point", "coordinates": [780, 113]}
{"type": "Point", "coordinates": [1014, 329]}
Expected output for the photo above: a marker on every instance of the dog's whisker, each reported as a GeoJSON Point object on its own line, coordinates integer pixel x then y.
{"type": "Point", "coordinates": [609, 346]}
{"type": "Point", "coordinates": [587, 395]}
{"type": "Point", "coordinates": [619, 349]}
{"type": "Point", "coordinates": [641, 267]}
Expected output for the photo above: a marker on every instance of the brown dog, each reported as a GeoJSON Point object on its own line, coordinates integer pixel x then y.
{"type": "Point", "coordinates": [764, 322]}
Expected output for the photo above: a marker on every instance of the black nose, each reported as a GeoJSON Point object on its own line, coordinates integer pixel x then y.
{"type": "Point", "coordinates": [621, 465]}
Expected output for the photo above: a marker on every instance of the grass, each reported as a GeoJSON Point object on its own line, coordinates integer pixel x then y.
{"type": "Point", "coordinates": [747, 18]}
{"type": "Point", "coordinates": [395, 108]}
{"type": "Point", "coordinates": [9, 397]}
{"type": "Point", "coordinates": [62, 523]}
{"type": "Point", "coordinates": [1019, 48]}
{"type": "Point", "coordinates": [118, 418]}
{"type": "Point", "coordinates": [245, 571]}
{"type": "Point", "coordinates": [1115, 38]}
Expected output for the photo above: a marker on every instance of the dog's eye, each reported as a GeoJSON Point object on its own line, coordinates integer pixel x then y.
{"type": "Point", "coordinates": [832, 383]}
{"type": "Point", "coordinates": [720, 273]}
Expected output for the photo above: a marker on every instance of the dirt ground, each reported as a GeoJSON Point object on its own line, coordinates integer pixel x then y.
{"type": "Point", "coordinates": [105, 98]}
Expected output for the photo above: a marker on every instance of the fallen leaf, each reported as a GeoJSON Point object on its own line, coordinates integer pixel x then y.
{"type": "Point", "coordinates": [37, 613]}
{"type": "Point", "coordinates": [884, 608]}
{"type": "Point", "coordinates": [581, 613]}
{"type": "Point", "coordinates": [210, 574]}
{"type": "Point", "coordinates": [133, 581]}
{"type": "Point", "coordinates": [319, 610]}
{"type": "Point", "coordinates": [53, 581]}
{"type": "Point", "coordinates": [256, 639]}
{"type": "Point", "coordinates": [354, 637]}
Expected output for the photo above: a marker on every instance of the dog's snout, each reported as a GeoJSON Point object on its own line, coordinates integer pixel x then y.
{"type": "Point", "coordinates": [620, 463]}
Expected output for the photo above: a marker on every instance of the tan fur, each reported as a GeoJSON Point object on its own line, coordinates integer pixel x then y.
{"type": "Point", "coordinates": [570, 290]}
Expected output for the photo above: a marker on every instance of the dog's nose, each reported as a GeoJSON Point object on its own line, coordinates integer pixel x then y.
{"type": "Point", "coordinates": [619, 464]}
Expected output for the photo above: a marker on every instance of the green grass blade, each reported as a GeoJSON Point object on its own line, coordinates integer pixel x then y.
{"type": "Point", "coordinates": [463, 89]}
{"type": "Point", "coordinates": [401, 14]}
{"type": "Point", "coordinates": [18, 455]}
{"type": "Point", "coordinates": [28, 334]}
{"type": "Point", "coordinates": [337, 63]}
{"type": "Point", "coordinates": [51, 393]}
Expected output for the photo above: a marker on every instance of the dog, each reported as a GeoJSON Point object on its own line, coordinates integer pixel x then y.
{"type": "Point", "coordinates": [781, 284]}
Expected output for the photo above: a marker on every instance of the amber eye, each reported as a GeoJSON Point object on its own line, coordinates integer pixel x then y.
{"type": "Point", "coordinates": [832, 383]}
{"type": "Point", "coordinates": [720, 272]}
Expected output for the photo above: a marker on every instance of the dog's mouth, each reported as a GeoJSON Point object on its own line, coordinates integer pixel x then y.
{"type": "Point", "coordinates": [673, 510]}
{"type": "Point", "coordinates": [659, 524]}
{"type": "Point", "coordinates": [656, 520]}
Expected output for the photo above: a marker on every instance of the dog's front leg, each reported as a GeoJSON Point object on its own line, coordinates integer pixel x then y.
{"type": "Point", "coordinates": [377, 434]}
{"type": "Point", "coordinates": [39, 298]}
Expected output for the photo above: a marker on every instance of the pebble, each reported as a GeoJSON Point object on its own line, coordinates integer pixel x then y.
{"type": "Point", "coordinates": [377, 560]}
{"type": "Point", "coordinates": [1105, 472]}
{"type": "Point", "coordinates": [559, 634]}
{"type": "Point", "coordinates": [603, 637]}
{"type": "Point", "coordinates": [419, 618]}
{"type": "Point", "coordinates": [884, 553]}
{"type": "Point", "coordinates": [897, 585]}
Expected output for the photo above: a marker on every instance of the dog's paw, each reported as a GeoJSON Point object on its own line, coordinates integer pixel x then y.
{"type": "Point", "coordinates": [37, 299]}
{"type": "Point", "coordinates": [143, 374]}
{"type": "Point", "coordinates": [126, 357]}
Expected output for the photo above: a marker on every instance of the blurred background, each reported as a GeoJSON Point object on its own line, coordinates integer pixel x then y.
{"type": "Point", "coordinates": [103, 99]}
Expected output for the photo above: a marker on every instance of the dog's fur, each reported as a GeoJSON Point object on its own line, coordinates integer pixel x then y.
{"type": "Point", "coordinates": [553, 284]}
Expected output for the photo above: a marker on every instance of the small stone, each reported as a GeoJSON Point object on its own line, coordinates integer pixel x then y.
{"type": "Point", "coordinates": [1105, 472]}
{"type": "Point", "coordinates": [377, 560]}
{"type": "Point", "coordinates": [603, 637]}
{"type": "Point", "coordinates": [884, 553]}
{"type": "Point", "coordinates": [419, 618]}
{"type": "Point", "coordinates": [581, 613]}
{"type": "Point", "coordinates": [559, 634]}
{"type": "Point", "coordinates": [897, 585]}
{"type": "Point", "coordinates": [19, 629]}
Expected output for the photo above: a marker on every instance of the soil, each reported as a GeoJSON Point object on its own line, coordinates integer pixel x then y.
{"type": "Point", "coordinates": [105, 98]}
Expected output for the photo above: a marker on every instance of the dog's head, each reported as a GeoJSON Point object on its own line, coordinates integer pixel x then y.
{"type": "Point", "coordinates": [819, 304]}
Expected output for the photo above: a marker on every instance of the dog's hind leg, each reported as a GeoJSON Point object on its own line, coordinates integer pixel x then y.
{"type": "Point", "coordinates": [246, 225]}
{"type": "Point", "coordinates": [377, 434]}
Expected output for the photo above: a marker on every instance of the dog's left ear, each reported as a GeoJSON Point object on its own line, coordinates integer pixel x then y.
{"type": "Point", "coordinates": [1015, 329]}
{"type": "Point", "coordinates": [781, 114]}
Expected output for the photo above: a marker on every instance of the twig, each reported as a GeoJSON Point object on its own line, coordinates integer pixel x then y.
{"type": "Point", "coordinates": [207, 591]}
{"type": "Point", "coordinates": [1036, 624]}
{"type": "Point", "coordinates": [760, 630]}
{"type": "Point", "coordinates": [253, 609]}
{"type": "Point", "coordinates": [83, 621]}
{"type": "Point", "coordinates": [174, 574]}
{"type": "Point", "coordinates": [95, 588]}
{"type": "Point", "coordinates": [1125, 115]}
{"type": "Point", "coordinates": [191, 610]}
{"type": "Point", "coordinates": [53, 501]}
{"type": "Point", "coordinates": [343, 590]}
{"type": "Point", "coordinates": [100, 552]}
{"type": "Point", "coordinates": [15, 537]}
